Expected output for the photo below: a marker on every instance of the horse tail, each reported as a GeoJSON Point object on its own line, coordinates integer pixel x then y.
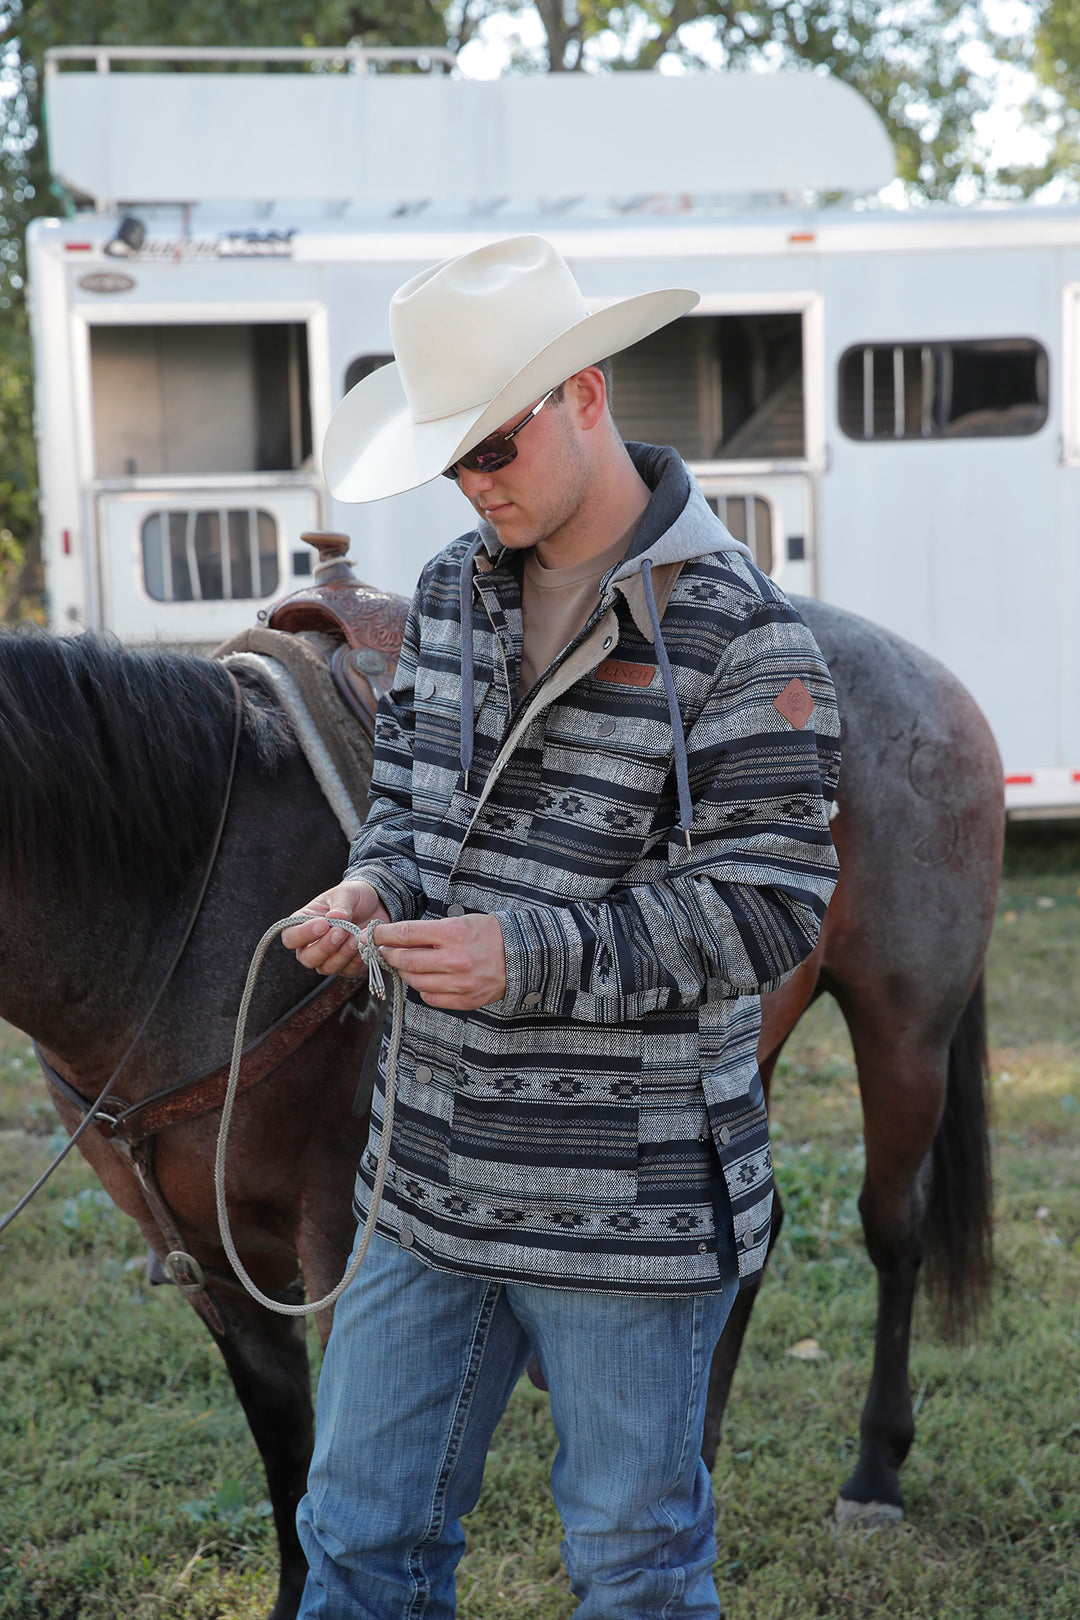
{"type": "Point", "coordinates": [959, 1215]}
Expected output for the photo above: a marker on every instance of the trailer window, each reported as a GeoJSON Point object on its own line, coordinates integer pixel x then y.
{"type": "Point", "coordinates": [210, 555]}
{"type": "Point", "coordinates": [716, 387]}
{"type": "Point", "coordinates": [989, 388]}
{"type": "Point", "coordinates": [200, 399]}
{"type": "Point", "coordinates": [748, 518]}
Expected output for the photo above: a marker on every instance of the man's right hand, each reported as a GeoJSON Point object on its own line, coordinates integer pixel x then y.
{"type": "Point", "coordinates": [319, 945]}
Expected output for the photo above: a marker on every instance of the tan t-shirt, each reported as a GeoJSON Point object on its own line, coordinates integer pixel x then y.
{"type": "Point", "coordinates": [555, 603]}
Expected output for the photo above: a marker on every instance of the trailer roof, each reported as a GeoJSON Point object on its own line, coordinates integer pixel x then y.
{"type": "Point", "coordinates": [401, 138]}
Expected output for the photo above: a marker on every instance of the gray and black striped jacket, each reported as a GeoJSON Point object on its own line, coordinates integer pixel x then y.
{"type": "Point", "coordinates": [651, 879]}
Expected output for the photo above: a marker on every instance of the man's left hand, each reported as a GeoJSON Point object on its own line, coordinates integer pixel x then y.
{"type": "Point", "coordinates": [457, 962]}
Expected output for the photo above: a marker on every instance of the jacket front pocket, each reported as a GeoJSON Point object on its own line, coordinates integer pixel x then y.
{"type": "Point", "coordinates": [547, 1112]}
{"type": "Point", "coordinates": [545, 1153]}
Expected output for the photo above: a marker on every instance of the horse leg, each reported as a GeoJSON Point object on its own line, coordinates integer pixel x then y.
{"type": "Point", "coordinates": [266, 1354]}
{"type": "Point", "coordinates": [267, 1360]}
{"type": "Point", "coordinates": [903, 1080]}
{"type": "Point", "coordinates": [726, 1355]}
{"type": "Point", "coordinates": [780, 1011]}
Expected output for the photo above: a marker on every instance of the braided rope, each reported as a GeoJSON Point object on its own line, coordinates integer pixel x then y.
{"type": "Point", "coordinates": [375, 966]}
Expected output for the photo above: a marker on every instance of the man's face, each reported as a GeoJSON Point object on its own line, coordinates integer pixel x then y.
{"type": "Point", "coordinates": [533, 497]}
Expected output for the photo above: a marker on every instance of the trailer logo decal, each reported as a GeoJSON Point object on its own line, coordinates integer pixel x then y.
{"type": "Point", "coordinates": [256, 245]}
{"type": "Point", "coordinates": [107, 281]}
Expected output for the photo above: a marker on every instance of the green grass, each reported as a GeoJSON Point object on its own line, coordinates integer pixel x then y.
{"type": "Point", "coordinates": [130, 1487]}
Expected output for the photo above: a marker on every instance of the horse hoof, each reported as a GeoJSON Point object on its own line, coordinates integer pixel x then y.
{"type": "Point", "coordinates": [851, 1515]}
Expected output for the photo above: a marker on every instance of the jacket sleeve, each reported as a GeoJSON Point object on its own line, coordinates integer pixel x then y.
{"type": "Point", "coordinates": [382, 852]}
{"type": "Point", "coordinates": [738, 912]}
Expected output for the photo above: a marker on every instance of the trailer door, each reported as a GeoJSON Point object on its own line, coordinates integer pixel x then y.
{"type": "Point", "coordinates": [204, 475]}
{"type": "Point", "coordinates": [196, 566]}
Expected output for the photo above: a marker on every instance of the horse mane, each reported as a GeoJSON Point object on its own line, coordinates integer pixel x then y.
{"type": "Point", "coordinates": [113, 763]}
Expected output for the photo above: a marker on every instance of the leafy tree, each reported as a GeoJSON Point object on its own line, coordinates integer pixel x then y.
{"type": "Point", "coordinates": [20, 566]}
{"type": "Point", "coordinates": [1053, 51]}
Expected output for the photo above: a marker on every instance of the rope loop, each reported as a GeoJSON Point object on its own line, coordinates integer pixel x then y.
{"type": "Point", "coordinates": [369, 952]}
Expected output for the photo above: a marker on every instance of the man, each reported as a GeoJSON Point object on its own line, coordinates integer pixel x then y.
{"type": "Point", "coordinates": [599, 830]}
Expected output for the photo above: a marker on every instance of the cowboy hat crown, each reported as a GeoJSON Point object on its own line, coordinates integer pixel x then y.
{"type": "Point", "coordinates": [476, 339]}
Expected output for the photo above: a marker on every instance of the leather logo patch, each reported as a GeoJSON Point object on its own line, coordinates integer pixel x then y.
{"type": "Point", "coordinates": [795, 703]}
{"type": "Point", "coordinates": [620, 674]}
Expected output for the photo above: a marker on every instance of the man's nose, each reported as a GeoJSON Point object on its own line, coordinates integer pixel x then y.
{"type": "Point", "coordinates": [474, 484]}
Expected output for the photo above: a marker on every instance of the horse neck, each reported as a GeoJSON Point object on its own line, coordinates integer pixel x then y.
{"type": "Point", "coordinates": [78, 978]}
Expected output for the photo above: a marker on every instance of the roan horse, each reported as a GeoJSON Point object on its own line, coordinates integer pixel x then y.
{"type": "Point", "coordinates": [114, 774]}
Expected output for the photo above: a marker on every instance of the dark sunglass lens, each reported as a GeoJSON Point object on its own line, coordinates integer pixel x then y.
{"type": "Point", "coordinates": [490, 454]}
{"type": "Point", "coordinates": [492, 460]}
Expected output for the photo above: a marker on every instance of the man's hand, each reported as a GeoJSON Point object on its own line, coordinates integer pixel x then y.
{"type": "Point", "coordinates": [455, 962]}
{"type": "Point", "coordinates": [319, 945]}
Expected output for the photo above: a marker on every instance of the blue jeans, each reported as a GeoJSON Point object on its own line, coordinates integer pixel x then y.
{"type": "Point", "coordinates": [418, 1371]}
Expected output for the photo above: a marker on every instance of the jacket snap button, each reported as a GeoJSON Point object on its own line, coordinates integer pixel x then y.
{"type": "Point", "coordinates": [455, 911]}
{"type": "Point", "coordinates": [724, 1133]}
{"type": "Point", "coordinates": [607, 727]}
{"type": "Point", "coordinates": [424, 1074]}
{"type": "Point", "coordinates": [405, 1238]}
{"type": "Point", "coordinates": [607, 642]}
{"type": "Point", "coordinates": [703, 1248]}
{"type": "Point", "coordinates": [428, 690]}
{"type": "Point", "coordinates": [532, 999]}
{"type": "Point", "coordinates": [748, 1239]}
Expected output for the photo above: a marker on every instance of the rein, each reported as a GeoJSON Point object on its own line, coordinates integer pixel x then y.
{"type": "Point", "coordinates": [94, 1110]}
{"type": "Point", "coordinates": [375, 966]}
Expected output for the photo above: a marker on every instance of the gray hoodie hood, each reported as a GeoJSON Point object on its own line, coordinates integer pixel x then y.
{"type": "Point", "coordinates": [677, 524]}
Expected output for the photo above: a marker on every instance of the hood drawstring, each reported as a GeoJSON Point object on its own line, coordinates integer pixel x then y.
{"type": "Point", "coordinates": [466, 618]}
{"type": "Point", "coordinates": [682, 772]}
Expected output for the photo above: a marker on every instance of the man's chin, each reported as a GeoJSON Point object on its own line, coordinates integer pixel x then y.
{"type": "Point", "coordinates": [512, 531]}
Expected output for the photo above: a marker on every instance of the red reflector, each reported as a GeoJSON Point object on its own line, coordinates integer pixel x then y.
{"type": "Point", "coordinates": [1019, 781]}
{"type": "Point", "coordinates": [1076, 776]}
{"type": "Point", "coordinates": [65, 535]}
{"type": "Point", "coordinates": [78, 247]}
{"type": "Point", "coordinates": [802, 236]}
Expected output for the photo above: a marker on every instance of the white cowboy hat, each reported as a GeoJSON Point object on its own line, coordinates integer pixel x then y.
{"type": "Point", "coordinates": [476, 339]}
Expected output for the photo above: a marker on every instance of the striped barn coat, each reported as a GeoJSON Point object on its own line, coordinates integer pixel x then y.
{"type": "Point", "coordinates": [603, 1125]}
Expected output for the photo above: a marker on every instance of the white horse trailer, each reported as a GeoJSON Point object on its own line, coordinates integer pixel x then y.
{"type": "Point", "coordinates": [884, 404]}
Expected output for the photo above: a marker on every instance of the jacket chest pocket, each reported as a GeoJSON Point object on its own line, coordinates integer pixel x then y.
{"type": "Point", "coordinates": [606, 779]}
{"type": "Point", "coordinates": [544, 1133]}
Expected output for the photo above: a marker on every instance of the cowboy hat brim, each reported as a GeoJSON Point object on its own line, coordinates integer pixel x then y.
{"type": "Point", "coordinates": [373, 447]}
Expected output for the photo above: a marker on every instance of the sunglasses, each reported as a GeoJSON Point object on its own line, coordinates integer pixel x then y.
{"type": "Point", "coordinates": [497, 450]}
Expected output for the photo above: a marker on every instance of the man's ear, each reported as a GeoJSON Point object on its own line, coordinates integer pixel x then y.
{"type": "Point", "coordinates": [586, 393]}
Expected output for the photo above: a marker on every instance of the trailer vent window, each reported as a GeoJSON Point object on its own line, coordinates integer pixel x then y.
{"type": "Point", "coordinates": [214, 555]}
{"type": "Point", "coordinates": [748, 518]}
{"type": "Point", "coordinates": [996, 387]}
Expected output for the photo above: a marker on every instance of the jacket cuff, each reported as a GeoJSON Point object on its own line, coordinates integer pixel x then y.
{"type": "Point", "coordinates": [542, 968]}
{"type": "Point", "coordinates": [399, 900]}
{"type": "Point", "coordinates": [544, 959]}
